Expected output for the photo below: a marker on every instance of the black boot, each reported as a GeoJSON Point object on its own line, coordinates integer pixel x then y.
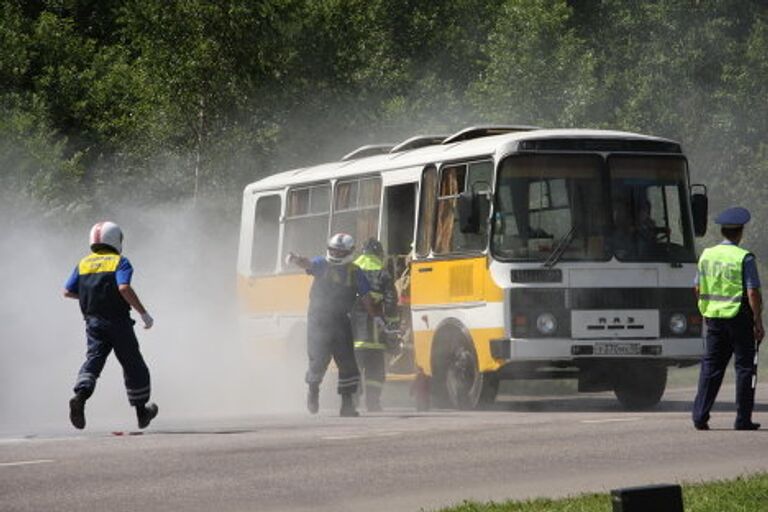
{"type": "Point", "coordinates": [373, 399]}
{"type": "Point", "coordinates": [348, 406]}
{"type": "Point", "coordinates": [77, 410]}
{"type": "Point", "coordinates": [145, 413]}
{"type": "Point", "coordinates": [313, 398]}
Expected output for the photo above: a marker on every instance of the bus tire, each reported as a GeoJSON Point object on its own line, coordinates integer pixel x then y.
{"type": "Point", "coordinates": [457, 381]}
{"type": "Point", "coordinates": [640, 386]}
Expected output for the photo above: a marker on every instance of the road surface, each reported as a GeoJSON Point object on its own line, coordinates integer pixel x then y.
{"type": "Point", "coordinates": [397, 460]}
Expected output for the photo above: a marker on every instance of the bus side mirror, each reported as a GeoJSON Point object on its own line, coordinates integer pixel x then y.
{"type": "Point", "coordinates": [699, 208]}
{"type": "Point", "coordinates": [469, 218]}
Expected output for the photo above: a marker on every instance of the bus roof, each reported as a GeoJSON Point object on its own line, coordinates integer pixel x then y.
{"type": "Point", "coordinates": [492, 145]}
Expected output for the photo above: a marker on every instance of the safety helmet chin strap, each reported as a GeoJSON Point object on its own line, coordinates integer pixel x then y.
{"type": "Point", "coordinates": [340, 261]}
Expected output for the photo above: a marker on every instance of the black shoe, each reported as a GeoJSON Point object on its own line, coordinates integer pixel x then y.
{"type": "Point", "coordinates": [77, 411]}
{"type": "Point", "coordinates": [145, 414]}
{"type": "Point", "coordinates": [747, 426]}
{"type": "Point", "coordinates": [701, 426]}
{"type": "Point", "coordinates": [313, 399]}
{"type": "Point", "coordinates": [348, 409]}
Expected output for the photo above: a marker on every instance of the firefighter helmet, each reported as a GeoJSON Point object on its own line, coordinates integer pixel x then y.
{"type": "Point", "coordinates": [373, 246]}
{"type": "Point", "coordinates": [106, 234]}
{"type": "Point", "coordinates": [340, 248]}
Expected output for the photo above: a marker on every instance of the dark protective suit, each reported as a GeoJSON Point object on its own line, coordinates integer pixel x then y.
{"type": "Point", "coordinates": [370, 344]}
{"type": "Point", "coordinates": [329, 334]}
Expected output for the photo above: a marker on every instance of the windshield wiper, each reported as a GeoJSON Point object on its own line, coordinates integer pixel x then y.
{"type": "Point", "coordinates": [559, 249]}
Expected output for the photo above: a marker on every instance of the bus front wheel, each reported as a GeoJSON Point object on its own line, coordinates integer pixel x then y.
{"type": "Point", "coordinates": [640, 386]}
{"type": "Point", "coordinates": [458, 382]}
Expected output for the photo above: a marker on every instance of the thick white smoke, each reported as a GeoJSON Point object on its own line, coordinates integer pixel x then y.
{"type": "Point", "coordinates": [202, 365]}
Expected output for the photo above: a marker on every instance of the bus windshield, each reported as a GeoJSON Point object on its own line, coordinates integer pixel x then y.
{"type": "Point", "coordinates": [546, 201]}
{"type": "Point", "coordinates": [649, 209]}
{"type": "Point", "coordinates": [556, 207]}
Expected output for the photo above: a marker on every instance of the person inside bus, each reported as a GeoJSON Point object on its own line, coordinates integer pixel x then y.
{"type": "Point", "coordinates": [337, 286]}
{"type": "Point", "coordinates": [371, 341]}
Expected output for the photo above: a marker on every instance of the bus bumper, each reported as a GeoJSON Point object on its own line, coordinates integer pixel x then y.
{"type": "Point", "coordinates": [685, 350]}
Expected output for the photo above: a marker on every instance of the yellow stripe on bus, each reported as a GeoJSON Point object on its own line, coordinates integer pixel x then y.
{"type": "Point", "coordinates": [287, 294]}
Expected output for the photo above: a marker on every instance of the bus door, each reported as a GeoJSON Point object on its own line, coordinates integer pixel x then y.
{"type": "Point", "coordinates": [398, 221]}
{"type": "Point", "coordinates": [450, 271]}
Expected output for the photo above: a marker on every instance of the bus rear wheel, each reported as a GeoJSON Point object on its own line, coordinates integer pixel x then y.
{"type": "Point", "coordinates": [640, 386]}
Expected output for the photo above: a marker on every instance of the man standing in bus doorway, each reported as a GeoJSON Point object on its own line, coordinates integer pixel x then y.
{"type": "Point", "coordinates": [370, 340]}
{"type": "Point", "coordinates": [337, 284]}
{"type": "Point", "coordinates": [728, 290]}
{"type": "Point", "coordinates": [102, 284]}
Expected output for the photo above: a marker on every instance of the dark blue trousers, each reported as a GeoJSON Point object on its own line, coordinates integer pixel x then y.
{"type": "Point", "coordinates": [104, 336]}
{"type": "Point", "coordinates": [726, 337]}
{"type": "Point", "coordinates": [331, 337]}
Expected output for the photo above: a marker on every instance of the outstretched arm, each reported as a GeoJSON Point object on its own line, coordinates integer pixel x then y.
{"type": "Point", "coordinates": [299, 261]}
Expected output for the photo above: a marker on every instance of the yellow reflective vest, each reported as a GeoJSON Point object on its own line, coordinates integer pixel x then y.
{"type": "Point", "coordinates": [721, 286]}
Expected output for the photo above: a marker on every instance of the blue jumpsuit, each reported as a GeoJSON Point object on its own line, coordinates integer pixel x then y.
{"type": "Point", "coordinates": [726, 337]}
{"type": "Point", "coordinates": [108, 324]}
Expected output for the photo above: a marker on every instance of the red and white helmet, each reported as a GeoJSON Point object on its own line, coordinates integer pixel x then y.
{"type": "Point", "coordinates": [340, 249]}
{"type": "Point", "coordinates": [106, 233]}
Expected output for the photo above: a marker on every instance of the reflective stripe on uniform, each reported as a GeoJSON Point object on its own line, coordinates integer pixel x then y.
{"type": "Point", "coordinates": [370, 345]}
{"type": "Point", "coordinates": [720, 298]}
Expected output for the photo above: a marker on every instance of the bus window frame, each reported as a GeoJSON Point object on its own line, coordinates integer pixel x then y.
{"type": "Point", "coordinates": [285, 218]}
{"type": "Point", "coordinates": [368, 176]}
{"type": "Point", "coordinates": [258, 197]}
{"type": "Point", "coordinates": [492, 190]}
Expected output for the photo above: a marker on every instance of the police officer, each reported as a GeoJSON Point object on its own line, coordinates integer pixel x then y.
{"type": "Point", "coordinates": [102, 284]}
{"type": "Point", "coordinates": [728, 291]}
{"type": "Point", "coordinates": [337, 284]}
{"type": "Point", "coordinates": [370, 341]}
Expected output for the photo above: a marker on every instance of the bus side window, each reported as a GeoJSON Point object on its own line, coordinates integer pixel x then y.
{"type": "Point", "coordinates": [266, 229]}
{"type": "Point", "coordinates": [306, 220]}
{"type": "Point", "coordinates": [426, 211]}
{"type": "Point", "coordinates": [356, 208]}
{"type": "Point", "coordinates": [475, 177]}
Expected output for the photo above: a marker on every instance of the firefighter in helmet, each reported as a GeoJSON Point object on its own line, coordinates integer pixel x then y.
{"type": "Point", "coordinates": [102, 284]}
{"type": "Point", "coordinates": [338, 284]}
{"type": "Point", "coordinates": [370, 338]}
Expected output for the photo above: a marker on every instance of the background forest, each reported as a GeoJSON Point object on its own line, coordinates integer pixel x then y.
{"type": "Point", "coordinates": [146, 102]}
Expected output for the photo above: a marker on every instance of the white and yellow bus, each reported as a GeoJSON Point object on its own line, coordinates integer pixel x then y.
{"type": "Point", "coordinates": [530, 253]}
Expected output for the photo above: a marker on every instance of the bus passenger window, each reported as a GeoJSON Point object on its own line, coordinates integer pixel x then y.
{"type": "Point", "coordinates": [306, 220]}
{"type": "Point", "coordinates": [426, 211]}
{"type": "Point", "coordinates": [356, 208]}
{"type": "Point", "coordinates": [266, 228]}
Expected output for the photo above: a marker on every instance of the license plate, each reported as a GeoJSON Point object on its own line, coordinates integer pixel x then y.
{"type": "Point", "coordinates": [617, 349]}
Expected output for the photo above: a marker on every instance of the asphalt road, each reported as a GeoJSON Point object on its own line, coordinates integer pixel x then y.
{"type": "Point", "coordinates": [392, 461]}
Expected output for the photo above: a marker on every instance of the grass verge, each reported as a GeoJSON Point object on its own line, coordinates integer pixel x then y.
{"type": "Point", "coordinates": [743, 494]}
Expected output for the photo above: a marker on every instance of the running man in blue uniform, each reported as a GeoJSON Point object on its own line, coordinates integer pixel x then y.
{"type": "Point", "coordinates": [102, 284]}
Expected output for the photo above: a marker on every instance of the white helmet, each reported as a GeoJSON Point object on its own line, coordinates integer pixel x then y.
{"type": "Point", "coordinates": [106, 233]}
{"type": "Point", "coordinates": [340, 248]}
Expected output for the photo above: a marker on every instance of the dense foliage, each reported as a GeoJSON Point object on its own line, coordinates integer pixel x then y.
{"type": "Point", "coordinates": [148, 101]}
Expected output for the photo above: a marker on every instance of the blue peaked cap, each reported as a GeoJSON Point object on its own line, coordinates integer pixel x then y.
{"type": "Point", "coordinates": [735, 216]}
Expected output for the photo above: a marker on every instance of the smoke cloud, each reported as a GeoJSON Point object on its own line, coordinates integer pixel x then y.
{"type": "Point", "coordinates": [204, 363]}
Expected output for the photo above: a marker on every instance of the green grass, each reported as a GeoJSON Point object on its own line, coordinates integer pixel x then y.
{"type": "Point", "coordinates": [743, 494]}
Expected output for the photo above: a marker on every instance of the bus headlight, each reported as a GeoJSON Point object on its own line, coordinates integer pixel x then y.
{"type": "Point", "coordinates": [678, 324]}
{"type": "Point", "coordinates": [546, 323]}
